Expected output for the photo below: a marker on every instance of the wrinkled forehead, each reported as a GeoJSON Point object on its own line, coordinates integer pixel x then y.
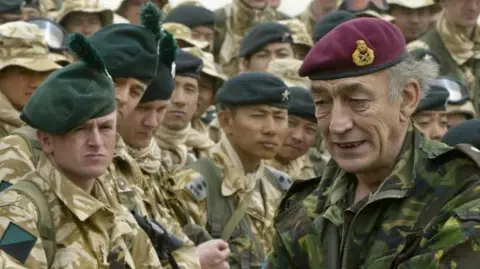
{"type": "Point", "coordinates": [374, 82]}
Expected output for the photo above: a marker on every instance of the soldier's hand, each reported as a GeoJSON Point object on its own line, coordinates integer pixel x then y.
{"type": "Point", "coordinates": [213, 254]}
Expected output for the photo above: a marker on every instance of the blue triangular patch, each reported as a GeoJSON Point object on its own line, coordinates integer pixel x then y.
{"type": "Point", "coordinates": [4, 185]}
{"type": "Point", "coordinates": [17, 242]}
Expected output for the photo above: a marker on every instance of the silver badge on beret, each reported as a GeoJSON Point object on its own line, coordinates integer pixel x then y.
{"type": "Point", "coordinates": [285, 96]}
{"type": "Point", "coordinates": [172, 70]}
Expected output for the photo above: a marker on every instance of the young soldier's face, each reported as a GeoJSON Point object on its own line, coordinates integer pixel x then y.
{"type": "Point", "coordinates": [18, 84]}
{"type": "Point", "coordinates": [128, 92]}
{"type": "Point", "coordinates": [205, 94]}
{"type": "Point", "coordinates": [432, 123]}
{"type": "Point", "coordinates": [85, 152]}
{"type": "Point", "coordinates": [137, 128]}
{"type": "Point", "coordinates": [259, 61]}
{"type": "Point", "coordinates": [183, 103]}
{"type": "Point", "coordinates": [255, 131]}
{"type": "Point", "coordinates": [462, 13]}
{"type": "Point", "coordinates": [412, 22]}
{"type": "Point", "coordinates": [83, 23]}
{"type": "Point", "coordinates": [300, 137]}
{"type": "Point", "coordinates": [204, 33]}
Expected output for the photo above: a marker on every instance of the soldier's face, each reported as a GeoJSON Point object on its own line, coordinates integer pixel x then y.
{"type": "Point", "coordinates": [204, 33]}
{"type": "Point", "coordinates": [256, 4]}
{"type": "Point", "coordinates": [259, 61]}
{"type": "Point", "coordinates": [128, 92]}
{"type": "Point", "coordinates": [300, 137]}
{"type": "Point", "coordinates": [412, 22]}
{"type": "Point", "coordinates": [85, 152]}
{"type": "Point", "coordinates": [83, 23]}
{"type": "Point", "coordinates": [137, 128]}
{"type": "Point", "coordinates": [183, 103]}
{"type": "Point", "coordinates": [18, 84]}
{"type": "Point", "coordinates": [463, 13]}
{"type": "Point", "coordinates": [432, 123]}
{"type": "Point", "coordinates": [362, 127]}
{"type": "Point", "coordinates": [455, 119]}
{"type": "Point", "coordinates": [255, 131]}
{"type": "Point", "coordinates": [205, 94]}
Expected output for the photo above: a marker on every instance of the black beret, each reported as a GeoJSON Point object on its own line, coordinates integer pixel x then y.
{"type": "Point", "coordinates": [191, 16]}
{"type": "Point", "coordinates": [188, 65]}
{"type": "Point", "coordinates": [10, 6]}
{"type": "Point", "coordinates": [424, 54]}
{"type": "Point", "coordinates": [325, 25]}
{"type": "Point", "coordinates": [301, 103]}
{"type": "Point", "coordinates": [250, 88]}
{"type": "Point", "coordinates": [467, 132]}
{"type": "Point", "coordinates": [261, 35]}
{"type": "Point", "coordinates": [161, 87]}
{"type": "Point", "coordinates": [435, 100]}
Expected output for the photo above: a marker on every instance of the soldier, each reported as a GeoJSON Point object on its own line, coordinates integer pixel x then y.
{"type": "Point", "coordinates": [234, 21]}
{"type": "Point", "coordinates": [77, 148]}
{"type": "Point", "coordinates": [211, 78]}
{"type": "Point", "coordinates": [263, 43]}
{"type": "Point", "coordinates": [17, 10]}
{"type": "Point", "coordinates": [411, 16]}
{"type": "Point", "coordinates": [252, 110]}
{"type": "Point", "coordinates": [292, 157]}
{"type": "Point", "coordinates": [431, 113]}
{"type": "Point", "coordinates": [200, 20]}
{"type": "Point", "coordinates": [389, 198]}
{"type": "Point", "coordinates": [24, 64]}
{"type": "Point", "coordinates": [85, 16]}
{"type": "Point", "coordinates": [302, 41]}
{"type": "Point", "coordinates": [453, 39]}
{"type": "Point", "coordinates": [329, 22]}
{"type": "Point", "coordinates": [316, 11]}
{"type": "Point", "coordinates": [130, 10]}
{"type": "Point", "coordinates": [176, 133]}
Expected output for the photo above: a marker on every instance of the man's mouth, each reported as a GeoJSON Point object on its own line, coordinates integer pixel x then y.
{"type": "Point", "coordinates": [350, 145]}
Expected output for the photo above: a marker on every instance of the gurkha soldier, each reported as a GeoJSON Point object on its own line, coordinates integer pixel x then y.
{"type": "Point", "coordinates": [176, 134]}
{"type": "Point", "coordinates": [84, 16]}
{"type": "Point", "coordinates": [24, 64]}
{"type": "Point", "coordinates": [211, 78]}
{"type": "Point", "coordinates": [292, 157]}
{"type": "Point", "coordinates": [61, 215]}
{"type": "Point", "coordinates": [252, 110]}
{"type": "Point", "coordinates": [200, 20]}
{"type": "Point", "coordinates": [233, 22]}
{"type": "Point", "coordinates": [302, 40]}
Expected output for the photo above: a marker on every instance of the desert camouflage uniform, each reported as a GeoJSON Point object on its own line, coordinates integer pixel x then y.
{"type": "Point", "coordinates": [22, 44]}
{"type": "Point", "coordinates": [260, 208]}
{"type": "Point", "coordinates": [87, 6]}
{"type": "Point", "coordinates": [459, 55]}
{"type": "Point", "coordinates": [183, 34]}
{"type": "Point", "coordinates": [287, 70]}
{"type": "Point", "coordinates": [137, 192]}
{"type": "Point", "coordinates": [91, 230]}
{"type": "Point", "coordinates": [428, 209]}
{"type": "Point", "coordinates": [302, 40]}
{"type": "Point", "coordinates": [298, 169]}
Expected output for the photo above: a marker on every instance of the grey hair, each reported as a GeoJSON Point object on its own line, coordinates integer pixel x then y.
{"type": "Point", "coordinates": [423, 71]}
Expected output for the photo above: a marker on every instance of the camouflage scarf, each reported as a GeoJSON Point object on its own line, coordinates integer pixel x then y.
{"type": "Point", "coordinates": [200, 126]}
{"type": "Point", "coordinates": [300, 168]}
{"type": "Point", "coordinates": [149, 159]}
{"type": "Point", "coordinates": [9, 116]}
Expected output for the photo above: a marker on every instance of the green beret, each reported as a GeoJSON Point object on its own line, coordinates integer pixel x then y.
{"type": "Point", "coordinates": [263, 34]}
{"type": "Point", "coordinates": [161, 87]}
{"type": "Point", "coordinates": [301, 103]}
{"type": "Point", "coordinates": [188, 65]}
{"type": "Point", "coordinates": [435, 100]}
{"type": "Point", "coordinates": [330, 21]}
{"type": "Point", "coordinates": [191, 16]}
{"type": "Point", "coordinates": [11, 6]}
{"type": "Point", "coordinates": [131, 50]}
{"type": "Point", "coordinates": [467, 132]}
{"type": "Point", "coordinates": [71, 96]}
{"type": "Point", "coordinates": [252, 88]}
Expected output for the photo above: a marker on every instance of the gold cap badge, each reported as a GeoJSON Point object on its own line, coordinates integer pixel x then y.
{"type": "Point", "coordinates": [363, 55]}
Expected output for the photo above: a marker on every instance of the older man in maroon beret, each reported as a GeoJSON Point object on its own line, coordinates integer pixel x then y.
{"type": "Point", "coordinates": [389, 197]}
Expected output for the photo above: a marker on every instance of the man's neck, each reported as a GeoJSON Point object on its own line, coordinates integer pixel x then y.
{"type": "Point", "coordinates": [281, 160]}
{"type": "Point", "coordinates": [85, 184]}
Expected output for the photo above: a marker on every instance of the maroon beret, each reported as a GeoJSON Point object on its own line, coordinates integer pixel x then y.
{"type": "Point", "coordinates": [354, 48]}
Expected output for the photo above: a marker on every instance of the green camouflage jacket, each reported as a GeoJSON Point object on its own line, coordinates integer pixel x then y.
{"type": "Point", "coordinates": [426, 214]}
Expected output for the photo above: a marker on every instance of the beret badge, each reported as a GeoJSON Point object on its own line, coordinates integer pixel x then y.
{"type": "Point", "coordinates": [363, 55]}
{"type": "Point", "coordinates": [285, 96]}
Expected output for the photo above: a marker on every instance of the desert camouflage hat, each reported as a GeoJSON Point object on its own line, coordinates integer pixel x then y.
{"type": "Point", "coordinates": [374, 14]}
{"type": "Point", "coordinates": [287, 70]}
{"type": "Point", "coordinates": [22, 44]}
{"type": "Point", "coordinates": [209, 66]}
{"type": "Point", "coordinates": [412, 4]}
{"type": "Point", "coordinates": [299, 32]}
{"type": "Point", "coordinates": [182, 33]}
{"type": "Point", "coordinates": [87, 6]}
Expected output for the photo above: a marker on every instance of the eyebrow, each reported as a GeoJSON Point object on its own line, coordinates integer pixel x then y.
{"type": "Point", "coordinates": [344, 88]}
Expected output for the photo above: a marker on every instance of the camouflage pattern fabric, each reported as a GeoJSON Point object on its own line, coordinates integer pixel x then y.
{"type": "Point", "coordinates": [323, 228]}
{"type": "Point", "coordinates": [182, 33]}
{"type": "Point", "coordinates": [298, 169]}
{"type": "Point", "coordinates": [9, 116]}
{"type": "Point", "coordinates": [308, 20]}
{"type": "Point", "coordinates": [260, 208]}
{"type": "Point", "coordinates": [92, 231]}
{"type": "Point", "coordinates": [299, 32]}
{"type": "Point", "coordinates": [87, 6]}
{"type": "Point", "coordinates": [287, 70]}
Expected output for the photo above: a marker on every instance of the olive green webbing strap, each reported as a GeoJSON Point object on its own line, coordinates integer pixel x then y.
{"type": "Point", "coordinates": [236, 217]}
{"type": "Point", "coordinates": [45, 225]}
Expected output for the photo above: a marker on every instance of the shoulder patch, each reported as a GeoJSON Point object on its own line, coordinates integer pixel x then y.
{"type": "Point", "coordinates": [17, 242]}
{"type": "Point", "coordinates": [283, 179]}
{"type": "Point", "coordinates": [197, 187]}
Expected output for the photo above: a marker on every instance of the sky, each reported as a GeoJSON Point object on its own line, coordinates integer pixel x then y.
{"type": "Point", "coordinates": [290, 7]}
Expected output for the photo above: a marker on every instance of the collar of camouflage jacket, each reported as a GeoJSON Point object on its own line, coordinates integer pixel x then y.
{"type": "Point", "coordinates": [461, 47]}
{"type": "Point", "coordinates": [80, 203]}
{"type": "Point", "coordinates": [300, 168]}
{"type": "Point", "coordinates": [9, 116]}
{"type": "Point", "coordinates": [235, 179]}
{"type": "Point", "coordinates": [396, 185]}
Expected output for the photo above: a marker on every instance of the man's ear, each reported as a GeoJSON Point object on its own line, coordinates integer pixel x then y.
{"type": "Point", "coordinates": [410, 98]}
{"type": "Point", "coordinates": [225, 120]}
{"type": "Point", "coordinates": [45, 141]}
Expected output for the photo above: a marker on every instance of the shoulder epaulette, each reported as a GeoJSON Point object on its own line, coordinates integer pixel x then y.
{"type": "Point", "coordinates": [197, 186]}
